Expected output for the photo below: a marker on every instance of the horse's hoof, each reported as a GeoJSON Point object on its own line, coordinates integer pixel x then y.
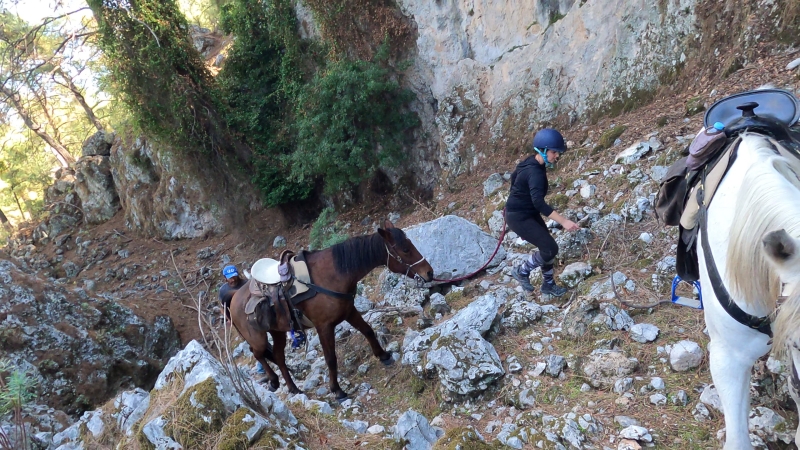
{"type": "Point", "coordinates": [271, 385]}
{"type": "Point", "coordinates": [389, 360]}
{"type": "Point", "coordinates": [295, 391]}
{"type": "Point", "coordinates": [341, 400]}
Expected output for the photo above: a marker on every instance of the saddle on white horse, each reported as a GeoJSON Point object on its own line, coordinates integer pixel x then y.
{"type": "Point", "coordinates": [685, 194]}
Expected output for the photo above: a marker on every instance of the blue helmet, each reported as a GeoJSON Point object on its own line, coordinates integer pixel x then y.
{"type": "Point", "coordinates": [230, 272]}
{"type": "Point", "coordinates": [549, 139]}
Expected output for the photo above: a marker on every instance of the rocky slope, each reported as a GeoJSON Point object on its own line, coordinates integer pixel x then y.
{"type": "Point", "coordinates": [479, 361]}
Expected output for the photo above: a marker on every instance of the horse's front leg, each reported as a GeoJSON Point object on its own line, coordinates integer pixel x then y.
{"type": "Point", "coordinates": [361, 325]}
{"type": "Point", "coordinates": [327, 339]}
{"type": "Point", "coordinates": [733, 350]}
{"type": "Point", "coordinates": [279, 352]}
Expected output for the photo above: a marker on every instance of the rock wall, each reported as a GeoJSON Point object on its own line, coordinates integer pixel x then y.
{"type": "Point", "coordinates": [159, 197]}
{"type": "Point", "coordinates": [494, 71]}
{"type": "Point", "coordinates": [80, 349]}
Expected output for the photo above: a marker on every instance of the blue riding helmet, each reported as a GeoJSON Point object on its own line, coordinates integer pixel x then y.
{"type": "Point", "coordinates": [548, 139]}
{"type": "Point", "coordinates": [230, 272]}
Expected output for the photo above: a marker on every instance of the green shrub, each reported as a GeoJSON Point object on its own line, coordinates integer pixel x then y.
{"type": "Point", "coordinates": [350, 119]}
{"type": "Point", "coordinates": [259, 82]}
{"type": "Point", "coordinates": [16, 388]}
{"type": "Point", "coordinates": [326, 231]}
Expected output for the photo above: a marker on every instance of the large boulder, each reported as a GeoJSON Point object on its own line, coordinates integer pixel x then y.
{"type": "Point", "coordinates": [95, 187]}
{"type": "Point", "coordinates": [81, 350]}
{"type": "Point", "coordinates": [157, 197]}
{"type": "Point", "coordinates": [465, 362]}
{"type": "Point", "coordinates": [454, 246]}
{"type": "Point", "coordinates": [456, 351]}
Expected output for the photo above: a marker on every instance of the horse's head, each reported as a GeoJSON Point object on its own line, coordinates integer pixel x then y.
{"type": "Point", "coordinates": [403, 256]}
{"type": "Point", "coordinates": [783, 252]}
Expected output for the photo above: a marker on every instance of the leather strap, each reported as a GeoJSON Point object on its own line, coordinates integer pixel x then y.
{"type": "Point", "coordinates": [762, 324]}
{"type": "Point", "coordinates": [350, 296]}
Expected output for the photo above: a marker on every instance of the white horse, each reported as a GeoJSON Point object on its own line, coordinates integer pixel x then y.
{"type": "Point", "coordinates": [758, 196]}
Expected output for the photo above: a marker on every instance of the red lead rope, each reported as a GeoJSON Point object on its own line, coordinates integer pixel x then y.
{"type": "Point", "coordinates": [499, 243]}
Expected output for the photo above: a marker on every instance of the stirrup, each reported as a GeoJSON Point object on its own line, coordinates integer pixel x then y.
{"type": "Point", "coordinates": [690, 302]}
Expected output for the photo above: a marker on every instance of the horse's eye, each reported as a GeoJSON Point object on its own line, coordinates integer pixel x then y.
{"type": "Point", "coordinates": [406, 250]}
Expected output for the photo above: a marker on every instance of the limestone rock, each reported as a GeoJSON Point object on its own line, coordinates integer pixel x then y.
{"type": "Point", "coordinates": [604, 367]}
{"type": "Point", "coordinates": [98, 144]}
{"type": "Point", "coordinates": [574, 273]}
{"type": "Point", "coordinates": [95, 187]}
{"type": "Point", "coordinates": [454, 246]}
{"type": "Point", "coordinates": [414, 428]}
{"type": "Point", "coordinates": [685, 355]}
{"type": "Point", "coordinates": [633, 153]}
{"type": "Point", "coordinates": [644, 332]}
{"type": "Point", "coordinates": [465, 362]}
{"type": "Point", "coordinates": [492, 184]}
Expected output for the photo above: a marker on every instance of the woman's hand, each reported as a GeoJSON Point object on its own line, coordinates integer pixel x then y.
{"type": "Point", "coordinates": [570, 225]}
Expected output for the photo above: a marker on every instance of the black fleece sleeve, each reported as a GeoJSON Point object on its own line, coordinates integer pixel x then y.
{"type": "Point", "coordinates": [538, 187]}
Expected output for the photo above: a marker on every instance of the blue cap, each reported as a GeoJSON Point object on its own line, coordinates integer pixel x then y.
{"type": "Point", "coordinates": [230, 272]}
{"type": "Point", "coordinates": [719, 125]}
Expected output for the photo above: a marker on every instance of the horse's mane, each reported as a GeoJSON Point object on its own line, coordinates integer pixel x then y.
{"type": "Point", "coordinates": [768, 201]}
{"type": "Point", "coordinates": [364, 252]}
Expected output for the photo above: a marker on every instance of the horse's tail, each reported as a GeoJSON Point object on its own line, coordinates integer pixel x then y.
{"type": "Point", "coordinates": [767, 201]}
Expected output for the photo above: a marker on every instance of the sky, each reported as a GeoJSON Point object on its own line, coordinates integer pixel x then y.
{"type": "Point", "coordinates": [34, 11]}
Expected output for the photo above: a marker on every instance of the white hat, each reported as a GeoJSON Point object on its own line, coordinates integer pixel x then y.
{"type": "Point", "coordinates": [265, 270]}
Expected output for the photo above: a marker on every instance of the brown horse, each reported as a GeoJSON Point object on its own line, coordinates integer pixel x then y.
{"type": "Point", "coordinates": [338, 268]}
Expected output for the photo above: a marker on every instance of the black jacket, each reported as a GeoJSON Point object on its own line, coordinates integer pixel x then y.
{"type": "Point", "coordinates": [528, 188]}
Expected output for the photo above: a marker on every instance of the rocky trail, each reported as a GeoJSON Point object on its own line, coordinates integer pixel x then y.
{"type": "Point", "coordinates": [481, 364]}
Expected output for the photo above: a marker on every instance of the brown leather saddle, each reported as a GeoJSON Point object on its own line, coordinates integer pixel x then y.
{"type": "Point", "coordinates": [276, 288]}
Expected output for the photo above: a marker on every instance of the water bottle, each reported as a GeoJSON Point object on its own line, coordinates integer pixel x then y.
{"type": "Point", "coordinates": [706, 145]}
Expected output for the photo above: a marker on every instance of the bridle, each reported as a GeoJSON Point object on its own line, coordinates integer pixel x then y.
{"type": "Point", "coordinates": [417, 278]}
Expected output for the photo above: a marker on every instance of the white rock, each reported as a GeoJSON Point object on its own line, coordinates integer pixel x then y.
{"type": "Point", "coordinates": [633, 153]}
{"type": "Point", "coordinates": [710, 397]}
{"type": "Point", "coordinates": [637, 433]}
{"type": "Point", "coordinates": [376, 429]}
{"type": "Point", "coordinates": [685, 355]}
{"type": "Point", "coordinates": [414, 428]}
{"type": "Point", "coordinates": [359, 426]}
{"type": "Point", "coordinates": [644, 332]}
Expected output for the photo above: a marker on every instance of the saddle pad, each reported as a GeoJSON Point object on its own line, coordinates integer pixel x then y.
{"type": "Point", "coordinates": [300, 269]}
{"type": "Point", "coordinates": [690, 211]}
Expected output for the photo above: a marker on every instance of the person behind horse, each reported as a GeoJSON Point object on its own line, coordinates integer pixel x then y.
{"type": "Point", "coordinates": [526, 206]}
{"type": "Point", "coordinates": [232, 284]}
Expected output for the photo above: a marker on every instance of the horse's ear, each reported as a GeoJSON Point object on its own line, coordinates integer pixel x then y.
{"type": "Point", "coordinates": [386, 235]}
{"type": "Point", "coordinates": [387, 224]}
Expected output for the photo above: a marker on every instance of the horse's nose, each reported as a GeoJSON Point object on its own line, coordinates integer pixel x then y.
{"type": "Point", "coordinates": [430, 275]}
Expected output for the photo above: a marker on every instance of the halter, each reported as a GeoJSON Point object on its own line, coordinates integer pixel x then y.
{"type": "Point", "coordinates": [418, 279]}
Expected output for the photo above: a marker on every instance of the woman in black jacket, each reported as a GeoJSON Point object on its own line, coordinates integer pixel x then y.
{"type": "Point", "coordinates": [526, 206]}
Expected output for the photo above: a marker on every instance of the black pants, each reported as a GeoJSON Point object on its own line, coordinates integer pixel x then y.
{"type": "Point", "coordinates": [533, 229]}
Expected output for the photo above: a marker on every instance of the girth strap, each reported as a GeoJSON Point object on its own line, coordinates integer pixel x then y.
{"type": "Point", "coordinates": [350, 296]}
{"type": "Point", "coordinates": [762, 324]}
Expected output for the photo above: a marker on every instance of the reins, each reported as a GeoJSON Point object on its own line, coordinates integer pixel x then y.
{"type": "Point", "coordinates": [499, 243]}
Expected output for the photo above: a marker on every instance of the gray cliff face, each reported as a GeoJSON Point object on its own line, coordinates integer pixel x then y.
{"type": "Point", "coordinates": [496, 70]}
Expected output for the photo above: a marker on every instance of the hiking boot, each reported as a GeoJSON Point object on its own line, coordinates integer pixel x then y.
{"type": "Point", "coordinates": [523, 280]}
{"type": "Point", "coordinates": [553, 289]}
